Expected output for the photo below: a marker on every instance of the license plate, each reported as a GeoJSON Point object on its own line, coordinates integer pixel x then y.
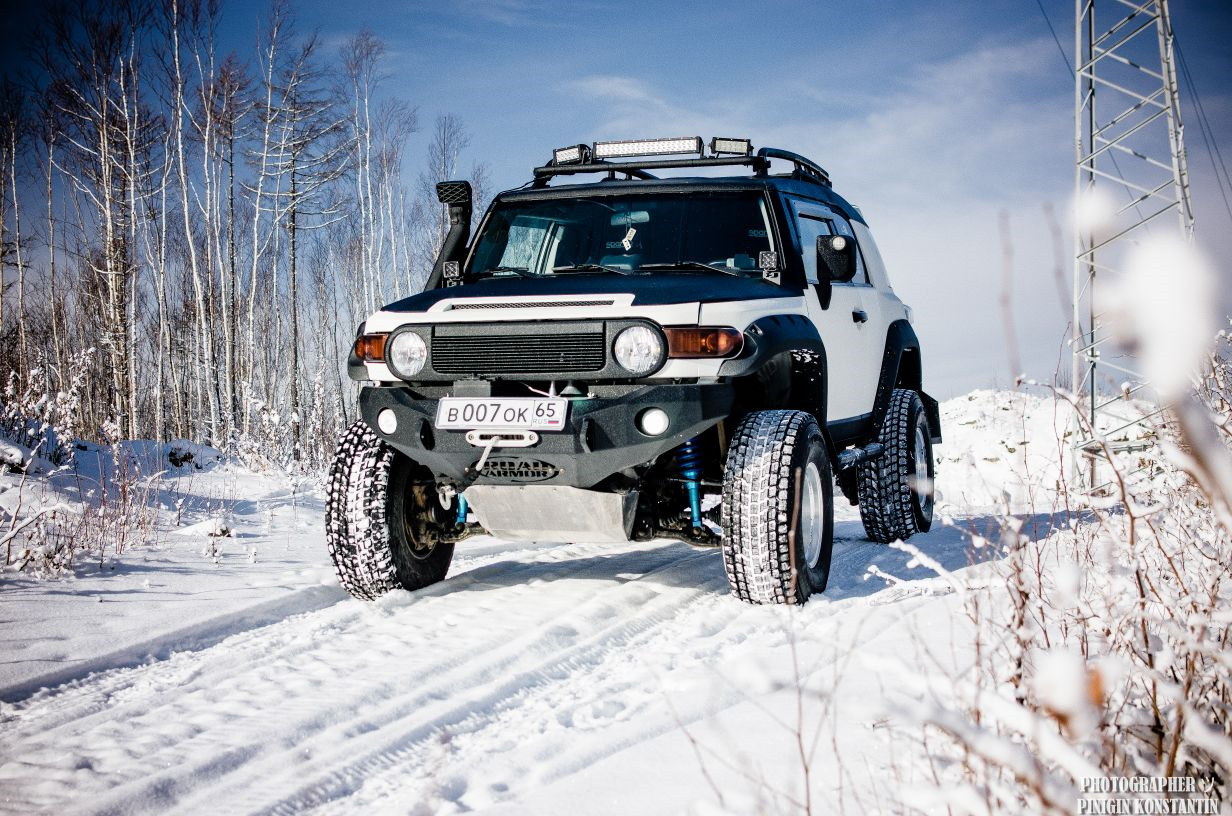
{"type": "Point", "coordinates": [529, 413]}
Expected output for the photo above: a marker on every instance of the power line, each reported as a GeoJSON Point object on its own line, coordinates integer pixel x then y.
{"type": "Point", "coordinates": [1208, 133]}
{"type": "Point", "coordinates": [1069, 69]}
{"type": "Point", "coordinates": [1224, 180]}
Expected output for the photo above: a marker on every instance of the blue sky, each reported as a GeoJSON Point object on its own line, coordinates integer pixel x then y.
{"type": "Point", "coordinates": [933, 118]}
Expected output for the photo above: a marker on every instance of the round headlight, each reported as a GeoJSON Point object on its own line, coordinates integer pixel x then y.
{"type": "Point", "coordinates": [406, 353]}
{"type": "Point", "coordinates": [639, 349]}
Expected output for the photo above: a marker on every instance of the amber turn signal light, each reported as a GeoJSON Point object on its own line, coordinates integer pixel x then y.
{"type": "Point", "coordinates": [371, 347]}
{"type": "Point", "coordinates": [703, 341]}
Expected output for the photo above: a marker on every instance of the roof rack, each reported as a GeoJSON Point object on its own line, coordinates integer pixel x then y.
{"type": "Point", "coordinates": [637, 168]}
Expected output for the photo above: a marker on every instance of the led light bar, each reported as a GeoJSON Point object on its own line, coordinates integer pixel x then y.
{"type": "Point", "coordinates": [648, 147]}
{"type": "Point", "coordinates": [574, 154]}
{"type": "Point", "coordinates": [731, 147]}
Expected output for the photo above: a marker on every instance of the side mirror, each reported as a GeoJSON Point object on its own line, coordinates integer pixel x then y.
{"type": "Point", "coordinates": [836, 258]}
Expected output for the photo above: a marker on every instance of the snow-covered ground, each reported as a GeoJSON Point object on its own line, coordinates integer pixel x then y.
{"type": "Point", "coordinates": [230, 674]}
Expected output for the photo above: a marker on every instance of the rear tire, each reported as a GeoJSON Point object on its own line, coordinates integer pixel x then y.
{"type": "Point", "coordinates": [896, 492]}
{"type": "Point", "coordinates": [778, 509]}
{"type": "Point", "coordinates": [377, 522]}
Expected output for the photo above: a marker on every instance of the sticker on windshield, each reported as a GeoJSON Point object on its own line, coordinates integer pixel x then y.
{"type": "Point", "coordinates": [627, 243]}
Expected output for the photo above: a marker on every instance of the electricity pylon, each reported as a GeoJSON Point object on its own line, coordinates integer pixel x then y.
{"type": "Point", "coordinates": [1130, 174]}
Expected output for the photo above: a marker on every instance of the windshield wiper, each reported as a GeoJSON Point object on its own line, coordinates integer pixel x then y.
{"type": "Point", "coordinates": [592, 267]}
{"type": "Point", "coordinates": [520, 270]}
{"type": "Point", "coordinates": [697, 265]}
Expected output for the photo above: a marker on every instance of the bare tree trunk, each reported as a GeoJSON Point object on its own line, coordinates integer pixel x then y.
{"type": "Point", "coordinates": [23, 359]}
{"type": "Point", "coordinates": [57, 342]}
{"type": "Point", "coordinates": [4, 184]}
{"type": "Point", "coordinates": [267, 118]}
{"type": "Point", "coordinates": [198, 289]}
{"type": "Point", "coordinates": [128, 74]}
{"type": "Point", "coordinates": [229, 297]}
{"type": "Point", "coordinates": [112, 272]}
{"type": "Point", "coordinates": [296, 418]}
{"type": "Point", "coordinates": [162, 353]}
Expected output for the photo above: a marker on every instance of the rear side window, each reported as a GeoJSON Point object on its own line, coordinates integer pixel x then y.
{"type": "Point", "coordinates": [813, 219]}
{"type": "Point", "coordinates": [811, 228]}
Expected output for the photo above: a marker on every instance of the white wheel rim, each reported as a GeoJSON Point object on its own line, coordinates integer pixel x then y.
{"type": "Point", "coordinates": [922, 487]}
{"type": "Point", "coordinates": [812, 515]}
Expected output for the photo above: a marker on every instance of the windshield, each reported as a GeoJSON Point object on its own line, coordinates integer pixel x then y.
{"type": "Point", "coordinates": [630, 234]}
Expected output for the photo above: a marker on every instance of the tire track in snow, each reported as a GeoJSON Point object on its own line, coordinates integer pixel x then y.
{"type": "Point", "coordinates": [410, 734]}
{"type": "Point", "coordinates": [294, 668]}
{"type": "Point", "coordinates": [298, 714]}
{"type": "Point", "coordinates": [480, 744]}
{"type": "Point", "coordinates": [98, 692]}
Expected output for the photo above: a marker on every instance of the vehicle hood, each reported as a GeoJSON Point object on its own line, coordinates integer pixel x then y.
{"type": "Point", "coordinates": [647, 290]}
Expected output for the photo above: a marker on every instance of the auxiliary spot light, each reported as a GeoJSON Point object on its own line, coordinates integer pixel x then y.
{"type": "Point", "coordinates": [575, 154]}
{"type": "Point", "coordinates": [731, 147]}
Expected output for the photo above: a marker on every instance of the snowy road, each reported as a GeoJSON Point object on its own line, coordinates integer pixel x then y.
{"type": "Point", "coordinates": [527, 667]}
{"type": "Point", "coordinates": [535, 679]}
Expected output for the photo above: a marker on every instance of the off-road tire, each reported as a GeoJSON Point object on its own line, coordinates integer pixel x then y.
{"type": "Point", "coordinates": [890, 506]}
{"type": "Point", "coordinates": [763, 540]}
{"type": "Point", "coordinates": [368, 500]}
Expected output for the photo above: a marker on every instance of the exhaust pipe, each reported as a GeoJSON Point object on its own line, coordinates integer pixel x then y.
{"type": "Point", "coordinates": [457, 196]}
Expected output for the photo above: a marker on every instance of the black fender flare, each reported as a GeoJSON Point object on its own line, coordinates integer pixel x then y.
{"type": "Point", "coordinates": [771, 339]}
{"type": "Point", "coordinates": [770, 336]}
{"type": "Point", "coordinates": [901, 364]}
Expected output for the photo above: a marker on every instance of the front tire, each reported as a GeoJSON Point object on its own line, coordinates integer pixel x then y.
{"type": "Point", "coordinates": [778, 509]}
{"type": "Point", "coordinates": [896, 489]}
{"type": "Point", "coordinates": [379, 522]}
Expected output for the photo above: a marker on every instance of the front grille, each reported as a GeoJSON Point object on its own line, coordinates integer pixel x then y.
{"type": "Point", "coordinates": [520, 352]}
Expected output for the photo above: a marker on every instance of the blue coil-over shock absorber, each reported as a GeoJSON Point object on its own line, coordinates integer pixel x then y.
{"type": "Point", "coordinates": [689, 468]}
{"type": "Point", "coordinates": [460, 520]}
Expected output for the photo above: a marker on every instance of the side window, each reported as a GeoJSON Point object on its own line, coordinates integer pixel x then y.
{"type": "Point", "coordinates": [810, 228]}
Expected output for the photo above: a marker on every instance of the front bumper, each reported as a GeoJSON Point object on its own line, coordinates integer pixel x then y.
{"type": "Point", "coordinates": [600, 437]}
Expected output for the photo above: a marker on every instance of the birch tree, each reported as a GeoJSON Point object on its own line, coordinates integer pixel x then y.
{"type": "Point", "coordinates": [309, 158]}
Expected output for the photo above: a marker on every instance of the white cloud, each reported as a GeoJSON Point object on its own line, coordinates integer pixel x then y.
{"type": "Point", "coordinates": [932, 158]}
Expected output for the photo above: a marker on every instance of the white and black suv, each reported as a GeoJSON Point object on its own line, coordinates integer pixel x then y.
{"type": "Point", "coordinates": [637, 357]}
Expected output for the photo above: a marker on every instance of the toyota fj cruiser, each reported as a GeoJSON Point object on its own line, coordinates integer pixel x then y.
{"type": "Point", "coordinates": [638, 357]}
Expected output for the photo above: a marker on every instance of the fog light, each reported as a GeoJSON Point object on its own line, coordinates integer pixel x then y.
{"type": "Point", "coordinates": [652, 421]}
{"type": "Point", "coordinates": [387, 421]}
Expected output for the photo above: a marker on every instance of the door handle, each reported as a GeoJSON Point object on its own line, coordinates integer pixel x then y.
{"type": "Point", "coordinates": [859, 316]}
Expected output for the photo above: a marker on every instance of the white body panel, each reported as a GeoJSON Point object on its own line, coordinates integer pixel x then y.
{"type": "Point", "coordinates": [853, 348]}
{"type": "Point", "coordinates": [738, 314]}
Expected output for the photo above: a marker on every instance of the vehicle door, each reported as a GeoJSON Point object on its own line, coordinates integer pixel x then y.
{"type": "Point", "coordinates": [853, 344]}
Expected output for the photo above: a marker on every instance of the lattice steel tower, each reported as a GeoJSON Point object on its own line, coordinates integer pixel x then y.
{"type": "Point", "coordinates": [1130, 167]}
